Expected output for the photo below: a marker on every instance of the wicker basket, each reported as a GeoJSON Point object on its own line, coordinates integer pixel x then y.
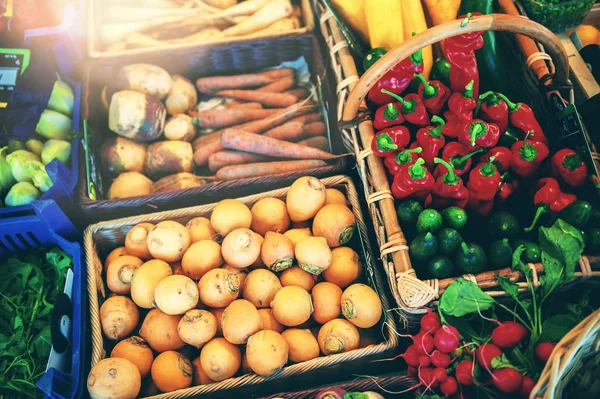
{"type": "Point", "coordinates": [568, 357]}
{"type": "Point", "coordinates": [205, 61]}
{"type": "Point", "coordinates": [102, 237]}
{"type": "Point", "coordinates": [93, 52]}
{"type": "Point", "coordinates": [410, 293]}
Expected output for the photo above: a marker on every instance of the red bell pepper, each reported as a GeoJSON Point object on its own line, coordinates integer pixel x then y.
{"type": "Point", "coordinates": [390, 140]}
{"type": "Point", "coordinates": [494, 109]}
{"type": "Point", "coordinates": [394, 162]}
{"type": "Point", "coordinates": [413, 180]}
{"type": "Point", "coordinates": [434, 94]}
{"type": "Point", "coordinates": [387, 116]}
{"type": "Point", "coordinates": [527, 156]}
{"type": "Point", "coordinates": [508, 185]}
{"type": "Point", "coordinates": [549, 199]}
{"type": "Point", "coordinates": [460, 111]}
{"type": "Point", "coordinates": [502, 157]}
{"type": "Point", "coordinates": [522, 117]}
{"type": "Point", "coordinates": [449, 189]}
{"type": "Point", "coordinates": [396, 79]}
{"type": "Point", "coordinates": [459, 51]}
{"type": "Point", "coordinates": [569, 168]}
{"type": "Point", "coordinates": [431, 140]}
{"type": "Point", "coordinates": [412, 108]}
{"type": "Point", "coordinates": [478, 134]}
{"type": "Point", "coordinates": [483, 185]}
{"type": "Point", "coordinates": [459, 156]}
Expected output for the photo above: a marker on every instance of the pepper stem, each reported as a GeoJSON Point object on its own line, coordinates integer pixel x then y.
{"type": "Point", "coordinates": [416, 170]}
{"type": "Point", "coordinates": [490, 98]}
{"type": "Point", "coordinates": [475, 130]}
{"type": "Point", "coordinates": [465, 247]}
{"type": "Point", "coordinates": [407, 106]}
{"type": "Point", "coordinates": [539, 212]}
{"type": "Point", "coordinates": [417, 56]}
{"type": "Point", "coordinates": [450, 176]}
{"type": "Point", "coordinates": [572, 162]}
{"type": "Point", "coordinates": [403, 157]}
{"type": "Point", "coordinates": [512, 107]}
{"type": "Point", "coordinates": [391, 112]}
{"type": "Point", "coordinates": [429, 90]}
{"type": "Point", "coordinates": [528, 152]}
{"type": "Point", "coordinates": [469, 89]}
{"type": "Point", "coordinates": [437, 131]}
{"type": "Point", "coordinates": [464, 158]}
{"type": "Point", "coordinates": [465, 21]}
{"type": "Point", "coordinates": [488, 169]}
{"type": "Point", "coordinates": [385, 142]}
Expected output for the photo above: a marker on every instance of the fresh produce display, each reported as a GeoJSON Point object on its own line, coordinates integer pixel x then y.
{"type": "Point", "coordinates": [30, 284]}
{"type": "Point", "coordinates": [244, 126]}
{"type": "Point", "coordinates": [23, 174]}
{"type": "Point", "coordinates": [124, 25]}
{"type": "Point", "coordinates": [557, 15]}
{"type": "Point", "coordinates": [242, 286]}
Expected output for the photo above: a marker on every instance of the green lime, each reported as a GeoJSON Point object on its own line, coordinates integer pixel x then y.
{"type": "Point", "coordinates": [532, 253]}
{"type": "Point", "coordinates": [441, 267]}
{"type": "Point", "coordinates": [593, 244]}
{"type": "Point", "coordinates": [423, 248]}
{"type": "Point", "coordinates": [454, 217]}
{"type": "Point", "coordinates": [449, 241]}
{"type": "Point", "coordinates": [471, 258]}
{"type": "Point", "coordinates": [408, 212]}
{"type": "Point", "coordinates": [500, 254]}
{"type": "Point", "coordinates": [429, 220]}
{"type": "Point", "coordinates": [503, 225]}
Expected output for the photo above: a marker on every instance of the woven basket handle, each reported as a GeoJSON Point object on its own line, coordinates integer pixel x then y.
{"type": "Point", "coordinates": [494, 22]}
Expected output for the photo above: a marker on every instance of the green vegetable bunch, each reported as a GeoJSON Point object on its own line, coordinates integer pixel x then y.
{"type": "Point", "coordinates": [558, 15]}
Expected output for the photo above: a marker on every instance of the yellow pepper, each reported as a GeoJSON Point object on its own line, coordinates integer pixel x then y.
{"type": "Point", "coordinates": [442, 11]}
{"type": "Point", "coordinates": [384, 20]}
{"type": "Point", "coordinates": [353, 12]}
{"type": "Point", "coordinates": [413, 20]}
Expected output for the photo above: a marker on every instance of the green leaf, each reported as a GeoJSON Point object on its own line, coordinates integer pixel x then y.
{"type": "Point", "coordinates": [553, 274]}
{"type": "Point", "coordinates": [517, 263]}
{"type": "Point", "coordinates": [509, 287]}
{"type": "Point", "coordinates": [564, 243]}
{"type": "Point", "coordinates": [525, 361]}
{"type": "Point", "coordinates": [502, 362]}
{"type": "Point", "coordinates": [556, 327]}
{"type": "Point", "coordinates": [463, 297]}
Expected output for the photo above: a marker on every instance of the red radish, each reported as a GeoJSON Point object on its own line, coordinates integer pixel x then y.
{"type": "Point", "coordinates": [411, 356]}
{"type": "Point", "coordinates": [446, 339]}
{"type": "Point", "coordinates": [430, 323]}
{"type": "Point", "coordinates": [485, 353]}
{"type": "Point", "coordinates": [440, 359]}
{"type": "Point", "coordinates": [526, 386]}
{"type": "Point", "coordinates": [426, 377]}
{"type": "Point", "coordinates": [424, 361]}
{"type": "Point", "coordinates": [440, 374]}
{"type": "Point", "coordinates": [508, 334]}
{"type": "Point", "coordinates": [423, 343]}
{"type": "Point", "coordinates": [543, 350]}
{"type": "Point", "coordinates": [507, 380]}
{"type": "Point", "coordinates": [449, 386]}
{"type": "Point", "coordinates": [412, 371]}
{"type": "Point", "coordinates": [464, 372]}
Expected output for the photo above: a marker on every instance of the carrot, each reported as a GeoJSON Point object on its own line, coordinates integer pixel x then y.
{"type": "Point", "coordinates": [259, 169]}
{"type": "Point", "coordinates": [216, 83]}
{"type": "Point", "coordinates": [205, 150]}
{"type": "Point", "coordinates": [244, 141]}
{"type": "Point", "coordinates": [265, 98]}
{"type": "Point", "coordinates": [219, 118]}
{"type": "Point", "coordinates": [244, 105]}
{"type": "Point", "coordinates": [314, 129]}
{"type": "Point", "coordinates": [307, 118]}
{"type": "Point", "coordinates": [319, 142]}
{"type": "Point", "coordinates": [279, 86]}
{"type": "Point", "coordinates": [300, 94]}
{"type": "Point", "coordinates": [290, 131]}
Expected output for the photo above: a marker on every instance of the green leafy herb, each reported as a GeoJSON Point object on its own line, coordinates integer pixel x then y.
{"type": "Point", "coordinates": [502, 362]}
{"type": "Point", "coordinates": [463, 297]}
{"type": "Point", "coordinates": [557, 327]}
{"type": "Point", "coordinates": [564, 243]}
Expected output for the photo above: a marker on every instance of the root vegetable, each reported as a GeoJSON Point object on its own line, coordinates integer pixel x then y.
{"type": "Point", "coordinates": [464, 372]}
{"type": "Point", "coordinates": [361, 305]}
{"type": "Point", "coordinates": [508, 334]}
{"type": "Point", "coordinates": [160, 331]}
{"type": "Point", "coordinates": [118, 316]}
{"type": "Point", "coordinates": [200, 229]}
{"type": "Point", "coordinates": [168, 241]}
{"type": "Point", "coordinates": [543, 350]}
{"type": "Point", "coordinates": [258, 264]}
{"type": "Point", "coordinates": [507, 380]}
{"type": "Point", "coordinates": [268, 14]}
{"type": "Point", "coordinates": [261, 287]}
{"type": "Point", "coordinates": [201, 257]}
{"type": "Point", "coordinates": [129, 184]}
{"type": "Point", "coordinates": [297, 235]}
{"type": "Point", "coordinates": [265, 98]}
{"type": "Point", "coordinates": [527, 386]}
{"type": "Point", "coordinates": [269, 214]}
{"type": "Point", "coordinates": [424, 345]}
{"type": "Point", "coordinates": [327, 299]}
{"type": "Point", "coordinates": [114, 254]}
{"type": "Point", "coordinates": [335, 223]}
{"type": "Point", "coordinates": [268, 320]}
{"type": "Point", "coordinates": [218, 313]}
{"type": "Point", "coordinates": [484, 354]}
{"type": "Point", "coordinates": [120, 273]}
{"type": "Point", "coordinates": [267, 352]}
{"type": "Point", "coordinates": [292, 306]}
{"type": "Point", "coordinates": [137, 351]}
{"type": "Point", "coordinates": [305, 198]}
{"type": "Point", "coordinates": [240, 248]}
{"type": "Point", "coordinates": [303, 346]}
{"type": "Point", "coordinates": [123, 155]}
{"type": "Point", "coordinates": [242, 273]}
{"type": "Point", "coordinates": [218, 288]}
{"type": "Point", "coordinates": [446, 339]}
{"type": "Point", "coordinates": [313, 255]}
{"type": "Point", "coordinates": [240, 321]}
{"type": "Point", "coordinates": [178, 181]}
{"type": "Point", "coordinates": [258, 169]}
{"type": "Point", "coordinates": [431, 322]}
{"type": "Point", "coordinates": [200, 377]}
{"type": "Point", "coordinates": [295, 276]}
{"type": "Point", "coordinates": [221, 159]}
{"type": "Point", "coordinates": [215, 83]}
{"type": "Point", "coordinates": [345, 267]}
{"type": "Point", "coordinates": [449, 386]}
{"type": "Point", "coordinates": [197, 327]}
{"type": "Point", "coordinates": [114, 378]}
{"type": "Point", "coordinates": [172, 371]}
{"type": "Point", "coordinates": [145, 78]}
{"type": "Point", "coordinates": [277, 251]}
{"type": "Point", "coordinates": [136, 115]}
{"type": "Point", "coordinates": [169, 157]}
{"type": "Point", "coordinates": [176, 295]}
{"type": "Point", "coordinates": [230, 214]}
{"type": "Point", "coordinates": [180, 127]}
{"type": "Point", "coordinates": [182, 96]}
{"type": "Point", "coordinates": [147, 278]}
{"type": "Point", "coordinates": [338, 336]}
{"type": "Point", "coordinates": [334, 196]}
{"type": "Point", "coordinates": [220, 359]}
{"type": "Point", "coordinates": [136, 241]}
{"type": "Point", "coordinates": [221, 118]}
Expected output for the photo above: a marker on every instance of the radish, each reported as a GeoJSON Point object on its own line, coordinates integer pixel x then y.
{"type": "Point", "coordinates": [430, 323]}
{"type": "Point", "coordinates": [508, 334]}
{"type": "Point", "coordinates": [424, 343]}
{"type": "Point", "coordinates": [446, 339]}
{"type": "Point", "coordinates": [412, 371]}
{"type": "Point", "coordinates": [440, 359]}
{"type": "Point", "coordinates": [424, 361]}
{"type": "Point", "coordinates": [543, 350]}
{"type": "Point", "coordinates": [507, 380]}
{"type": "Point", "coordinates": [439, 374]}
{"type": "Point", "coordinates": [426, 377]}
{"type": "Point", "coordinates": [464, 372]}
{"type": "Point", "coordinates": [526, 386]}
{"type": "Point", "coordinates": [485, 353]}
{"type": "Point", "coordinates": [449, 386]}
{"type": "Point", "coordinates": [411, 356]}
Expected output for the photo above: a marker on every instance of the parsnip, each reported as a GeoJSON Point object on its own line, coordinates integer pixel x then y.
{"type": "Point", "coordinates": [270, 13]}
{"type": "Point", "coordinates": [247, 7]}
{"type": "Point", "coordinates": [221, 3]}
{"type": "Point", "coordinates": [283, 25]}
{"type": "Point", "coordinates": [116, 13]}
{"type": "Point", "coordinates": [117, 32]}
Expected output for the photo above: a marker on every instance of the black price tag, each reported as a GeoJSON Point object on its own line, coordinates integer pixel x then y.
{"type": "Point", "coordinates": [13, 63]}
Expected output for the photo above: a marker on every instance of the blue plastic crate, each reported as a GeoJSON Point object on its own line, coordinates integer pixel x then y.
{"type": "Point", "coordinates": [44, 225]}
